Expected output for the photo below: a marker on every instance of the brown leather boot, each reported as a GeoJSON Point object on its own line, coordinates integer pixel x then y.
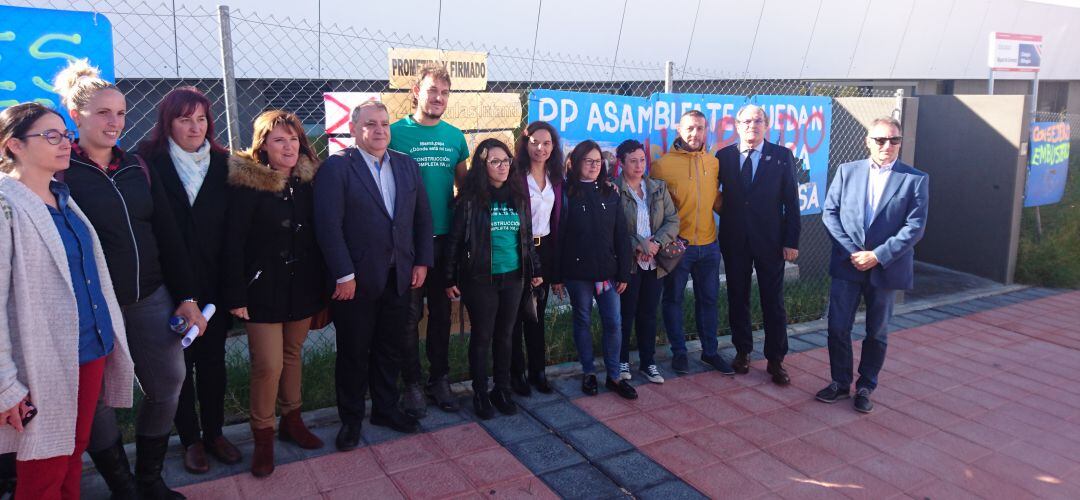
{"type": "Point", "coordinates": [262, 460]}
{"type": "Point", "coordinates": [292, 428]}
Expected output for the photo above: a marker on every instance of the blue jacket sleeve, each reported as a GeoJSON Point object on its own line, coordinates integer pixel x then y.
{"type": "Point", "coordinates": [792, 222]}
{"type": "Point", "coordinates": [830, 214]}
{"type": "Point", "coordinates": [329, 217]}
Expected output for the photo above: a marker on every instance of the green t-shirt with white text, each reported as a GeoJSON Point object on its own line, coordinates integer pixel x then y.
{"type": "Point", "coordinates": [505, 251]}
{"type": "Point", "coordinates": [437, 149]}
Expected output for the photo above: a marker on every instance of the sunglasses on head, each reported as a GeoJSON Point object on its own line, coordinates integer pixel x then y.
{"type": "Point", "coordinates": [882, 140]}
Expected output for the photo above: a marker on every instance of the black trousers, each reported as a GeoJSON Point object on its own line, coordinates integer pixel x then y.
{"type": "Point", "coordinates": [493, 311]}
{"type": "Point", "coordinates": [739, 264]}
{"type": "Point", "coordinates": [532, 333]}
{"type": "Point", "coordinates": [639, 303]}
{"type": "Point", "coordinates": [370, 335]}
{"type": "Point", "coordinates": [438, 324]}
{"type": "Point", "coordinates": [204, 384]}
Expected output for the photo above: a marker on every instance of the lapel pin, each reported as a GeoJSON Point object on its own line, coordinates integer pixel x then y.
{"type": "Point", "coordinates": [767, 158]}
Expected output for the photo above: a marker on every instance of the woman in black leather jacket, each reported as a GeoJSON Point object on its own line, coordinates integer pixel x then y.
{"type": "Point", "coordinates": [490, 260]}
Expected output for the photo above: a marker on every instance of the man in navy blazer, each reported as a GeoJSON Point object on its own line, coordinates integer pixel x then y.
{"type": "Point", "coordinates": [759, 229]}
{"type": "Point", "coordinates": [373, 224]}
{"type": "Point", "coordinates": [875, 212]}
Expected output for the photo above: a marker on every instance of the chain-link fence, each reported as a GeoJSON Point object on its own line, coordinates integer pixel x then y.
{"type": "Point", "coordinates": [291, 63]}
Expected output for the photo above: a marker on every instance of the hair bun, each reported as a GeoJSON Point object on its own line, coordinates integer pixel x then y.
{"type": "Point", "coordinates": [73, 75]}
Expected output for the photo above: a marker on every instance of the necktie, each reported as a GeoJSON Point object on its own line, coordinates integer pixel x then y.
{"type": "Point", "coordinates": [747, 172]}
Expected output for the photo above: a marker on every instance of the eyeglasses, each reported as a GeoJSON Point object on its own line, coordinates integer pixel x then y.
{"type": "Point", "coordinates": [891, 140]}
{"type": "Point", "coordinates": [498, 162]}
{"type": "Point", "coordinates": [53, 136]}
{"type": "Point", "coordinates": [748, 123]}
{"type": "Point", "coordinates": [587, 162]}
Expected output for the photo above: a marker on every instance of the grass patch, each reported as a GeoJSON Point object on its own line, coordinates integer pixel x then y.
{"type": "Point", "coordinates": [1054, 259]}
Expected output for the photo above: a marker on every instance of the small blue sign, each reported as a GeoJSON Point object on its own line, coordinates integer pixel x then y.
{"type": "Point", "coordinates": [35, 44]}
{"type": "Point", "coordinates": [1048, 163]}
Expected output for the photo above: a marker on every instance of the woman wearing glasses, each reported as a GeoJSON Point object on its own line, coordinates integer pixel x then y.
{"type": "Point", "coordinates": [594, 262]}
{"type": "Point", "coordinates": [539, 162]}
{"type": "Point", "coordinates": [61, 332]}
{"type": "Point", "coordinates": [150, 268]}
{"type": "Point", "coordinates": [490, 259]}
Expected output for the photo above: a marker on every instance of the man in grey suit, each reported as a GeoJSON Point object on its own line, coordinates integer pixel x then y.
{"type": "Point", "coordinates": [875, 212]}
{"type": "Point", "coordinates": [373, 224]}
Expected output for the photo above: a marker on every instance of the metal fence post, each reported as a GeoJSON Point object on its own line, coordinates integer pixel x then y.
{"type": "Point", "coordinates": [898, 111]}
{"type": "Point", "coordinates": [228, 77]}
{"type": "Point", "coordinates": [669, 75]}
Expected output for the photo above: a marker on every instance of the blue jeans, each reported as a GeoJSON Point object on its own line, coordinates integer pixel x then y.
{"type": "Point", "coordinates": [581, 300]}
{"type": "Point", "coordinates": [843, 304]}
{"type": "Point", "coordinates": [702, 263]}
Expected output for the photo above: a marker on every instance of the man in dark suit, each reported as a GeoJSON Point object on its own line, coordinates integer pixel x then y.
{"type": "Point", "coordinates": [875, 212]}
{"type": "Point", "coordinates": [759, 230]}
{"type": "Point", "coordinates": [373, 224]}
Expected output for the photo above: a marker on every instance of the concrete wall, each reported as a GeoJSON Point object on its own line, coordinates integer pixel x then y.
{"type": "Point", "coordinates": [974, 148]}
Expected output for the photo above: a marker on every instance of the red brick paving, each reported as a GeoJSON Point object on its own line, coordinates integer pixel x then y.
{"type": "Point", "coordinates": [460, 462]}
{"type": "Point", "coordinates": [983, 406]}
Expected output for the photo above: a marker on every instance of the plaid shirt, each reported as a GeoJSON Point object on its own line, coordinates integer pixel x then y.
{"type": "Point", "coordinates": [114, 162]}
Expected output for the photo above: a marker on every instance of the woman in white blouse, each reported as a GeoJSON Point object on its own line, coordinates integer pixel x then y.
{"type": "Point", "coordinates": [538, 161]}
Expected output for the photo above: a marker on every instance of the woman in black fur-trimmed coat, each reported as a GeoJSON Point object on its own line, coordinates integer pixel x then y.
{"type": "Point", "coordinates": [275, 274]}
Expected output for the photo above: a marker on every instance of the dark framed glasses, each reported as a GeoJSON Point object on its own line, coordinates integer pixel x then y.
{"type": "Point", "coordinates": [53, 136]}
{"type": "Point", "coordinates": [891, 140]}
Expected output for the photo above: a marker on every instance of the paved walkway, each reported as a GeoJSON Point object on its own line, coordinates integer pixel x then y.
{"type": "Point", "coordinates": [977, 400]}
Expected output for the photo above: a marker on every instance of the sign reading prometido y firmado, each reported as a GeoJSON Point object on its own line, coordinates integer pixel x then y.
{"type": "Point", "coordinates": [468, 70]}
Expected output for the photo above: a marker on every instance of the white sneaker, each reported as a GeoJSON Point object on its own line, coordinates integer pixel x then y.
{"type": "Point", "coordinates": [652, 374]}
{"type": "Point", "coordinates": [624, 371]}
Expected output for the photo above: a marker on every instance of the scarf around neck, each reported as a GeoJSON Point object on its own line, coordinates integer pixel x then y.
{"type": "Point", "coordinates": [190, 167]}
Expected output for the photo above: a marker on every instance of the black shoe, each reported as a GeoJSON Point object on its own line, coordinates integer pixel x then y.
{"type": "Point", "coordinates": [440, 392]}
{"type": "Point", "coordinates": [501, 399]}
{"type": "Point", "coordinates": [520, 385]}
{"type": "Point", "coordinates": [833, 393]}
{"type": "Point", "coordinates": [149, 460]}
{"type": "Point", "coordinates": [482, 405]}
{"type": "Point", "coordinates": [717, 362]}
{"type": "Point", "coordinates": [679, 364]}
{"type": "Point", "coordinates": [540, 382]}
{"type": "Point", "coordinates": [589, 385]}
{"type": "Point", "coordinates": [862, 401]}
{"type": "Point", "coordinates": [622, 388]}
{"type": "Point", "coordinates": [348, 437]}
{"type": "Point", "coordinates": [397, 420]}
{"type": "Point", "coordinates": [112, 464]}
{"type": "Point", "coordinates": [413, 402]}
{"type": "Point", "coordinates": [741, 365]}
{"type": "Point", "coordinates": [779, 374]}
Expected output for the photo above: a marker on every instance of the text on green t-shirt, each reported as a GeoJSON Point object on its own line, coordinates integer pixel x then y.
{"type": "Point", "coordinates": [437, 149]}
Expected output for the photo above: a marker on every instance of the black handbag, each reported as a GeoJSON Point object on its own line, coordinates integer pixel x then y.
{"type": "Point", "coordinates": [669, 255]}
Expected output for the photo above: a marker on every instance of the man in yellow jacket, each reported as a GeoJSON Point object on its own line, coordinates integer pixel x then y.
{"type": "Point", "coordinates": [691, 174]}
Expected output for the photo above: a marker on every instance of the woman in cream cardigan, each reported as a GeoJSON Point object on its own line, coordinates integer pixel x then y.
{"type": "Point", "coordinates": [62, 338]}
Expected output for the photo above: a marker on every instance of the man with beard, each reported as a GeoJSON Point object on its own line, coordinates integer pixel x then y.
{"type": "Point", "coordinates": [691, 176]}
{"type": "Point", "coordinates": [441, 150]}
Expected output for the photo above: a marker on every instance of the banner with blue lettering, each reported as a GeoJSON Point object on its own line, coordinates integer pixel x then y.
{"type": "Point", "coordinates": [35, 44]}
{"type": "Point", "coordinates": [719, 111]}
{"type": "Point", "coordinates": [1048, 163]}
{"type": "Point", "coordinates": [802, 124]}
{"type": "Point", "coordinates": [605, 118]}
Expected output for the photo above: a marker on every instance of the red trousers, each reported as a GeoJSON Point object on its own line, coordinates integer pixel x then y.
{"type": "Point", "coordinates": [58, 477]}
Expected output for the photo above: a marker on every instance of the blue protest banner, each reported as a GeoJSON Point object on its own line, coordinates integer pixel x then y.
{"type": "Point", "coordinates": [35, 44]}
{"type": "Point", "coordinates": [719, 111]}
{"type": "Point", "coordinates": [1048, 163]}
{"type": "Point", "coordinates": [802, 124]}
{"type": "Point", "coordinates": [605, 118]}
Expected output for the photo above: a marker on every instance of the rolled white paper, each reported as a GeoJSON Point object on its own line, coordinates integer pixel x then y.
{"type": "Point", "coordinates": [193, 332]}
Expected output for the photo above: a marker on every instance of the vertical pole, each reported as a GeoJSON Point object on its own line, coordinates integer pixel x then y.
{"type": "Point", "coordinates": [669, 75]}
{"type": "Point", "coordinates": [228, 77]}
{"type": "Point", "coordinates": [898, 109]}
{"type": "Point", "coordinates": [1035, 96]}
{"type": "Point", "coordinates": [990, 83]}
